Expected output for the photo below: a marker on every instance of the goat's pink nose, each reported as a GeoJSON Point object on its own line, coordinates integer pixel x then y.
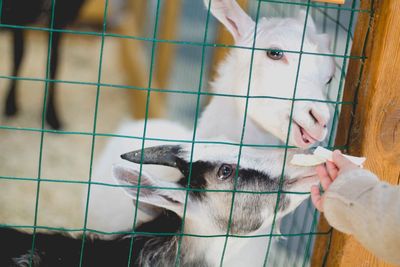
{"type": "Point", "coordinates": [318, 118]}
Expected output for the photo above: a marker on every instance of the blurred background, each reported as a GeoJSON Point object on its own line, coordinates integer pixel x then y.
{"type": "Point", "coordinates": [102, 80]}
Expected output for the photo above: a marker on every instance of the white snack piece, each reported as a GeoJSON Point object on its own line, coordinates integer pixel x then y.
{"type": "Point", "coordinates": [327, 155]}
{"type": "Point", "coordinates": [306, 160]}
{"type": "Point", "coordinates": [320, 156]}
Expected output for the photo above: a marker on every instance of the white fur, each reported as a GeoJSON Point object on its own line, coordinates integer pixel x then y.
{"type": "Point", "coordinates": [103, 216]}
{"type": "Point", "coordinates": [268, 119]}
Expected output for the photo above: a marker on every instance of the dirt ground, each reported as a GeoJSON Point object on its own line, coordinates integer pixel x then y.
{"type": "Point", "coordinates": [64, 156]}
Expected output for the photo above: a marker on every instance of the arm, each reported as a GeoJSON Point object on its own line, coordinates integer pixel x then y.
{"type": "Point", "coordinates": [357, 203]}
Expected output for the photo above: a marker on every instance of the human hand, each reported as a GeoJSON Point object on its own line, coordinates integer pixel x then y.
{"type": "Point", "coordinates": [327, 173]}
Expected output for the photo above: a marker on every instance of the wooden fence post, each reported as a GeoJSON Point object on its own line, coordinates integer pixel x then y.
{"type": "Point", "coordinates": [169, 27]}
{"type": "Point", "coordinates": [135, 62]}
{"type": "Point", "coordinates": [376, 119]}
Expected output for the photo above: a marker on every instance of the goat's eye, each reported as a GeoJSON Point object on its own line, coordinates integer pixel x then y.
{"type": "Point", "coordinates": [225, 171]}
{"type": "Point", "coordinates": [275, 54]}
{"type": "Point", "coordinates": [330, 80]}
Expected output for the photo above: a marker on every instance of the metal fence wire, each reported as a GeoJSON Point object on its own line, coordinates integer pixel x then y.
{"type": "Point", "coordinates": [291, 247]}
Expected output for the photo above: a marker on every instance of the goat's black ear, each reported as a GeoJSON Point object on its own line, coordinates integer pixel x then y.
{"type": "Point", "coordinates": [167, 155]}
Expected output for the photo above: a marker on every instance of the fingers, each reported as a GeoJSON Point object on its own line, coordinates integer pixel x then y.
{"type": "Point", "coordinates": [324, 177]}
{"type": "Point", "coordinates": [321, 170]}
{"type": "Point", "coordinates": [332, 170]}
{"type": "Point", "coordinates": [316, 198]}
{"type": "Point", "coordinates": [327, 173]}
{"type": "Point", "coordinates": [340, 160]}
{"type": "Point", "coordinates": [342, 163]}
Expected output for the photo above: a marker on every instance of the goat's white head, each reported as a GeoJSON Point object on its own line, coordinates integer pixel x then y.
{"type": "Point", "coordinates": [212, 179]}
{"type": "Point", "coordinates": [277, 72]}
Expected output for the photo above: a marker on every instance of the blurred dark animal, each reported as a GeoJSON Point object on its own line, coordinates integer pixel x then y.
{"type": "Point", "coordinates": [25, 12]}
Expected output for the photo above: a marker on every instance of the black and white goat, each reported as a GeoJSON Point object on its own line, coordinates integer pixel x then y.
{"type": "Point", "coordinates": [22, 13]}
{"type": "Point", "coordinates": [208, 213]}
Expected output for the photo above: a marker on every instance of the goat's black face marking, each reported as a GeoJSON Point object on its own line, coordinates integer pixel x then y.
{"type": "Point", "coordinates": [197, 178]}
{"type": "Point", "coordinates": [260, 180]}
{"type": "Point", "coordinates": [256, 192]}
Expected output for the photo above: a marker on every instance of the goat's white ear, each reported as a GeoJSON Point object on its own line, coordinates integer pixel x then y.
{"type": "Point", "coordinates": [152, 191]}
{"type": "Point", "coordinates": [229, 13]}
{"type": "Point", "coordinates": [301, 17]}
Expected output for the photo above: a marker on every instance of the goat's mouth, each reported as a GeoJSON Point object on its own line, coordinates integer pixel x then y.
{"type": "Point", "coordinates": [301, 136]}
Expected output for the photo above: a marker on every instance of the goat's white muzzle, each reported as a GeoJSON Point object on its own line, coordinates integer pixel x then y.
{"type": "Point", "coordinates": [309, 123]}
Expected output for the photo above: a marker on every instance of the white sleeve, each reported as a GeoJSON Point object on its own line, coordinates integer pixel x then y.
{"type": "Point", "coordinates": [357, 203]}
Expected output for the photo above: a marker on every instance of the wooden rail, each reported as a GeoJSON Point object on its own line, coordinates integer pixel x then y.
{"type": "Point", "coordinates": [340, 2]}
{"type": "Point", "coordinates": [376, 120]}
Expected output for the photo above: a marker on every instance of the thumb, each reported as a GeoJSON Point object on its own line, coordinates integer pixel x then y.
{"type": "Point", "coordinates": [339, 159]}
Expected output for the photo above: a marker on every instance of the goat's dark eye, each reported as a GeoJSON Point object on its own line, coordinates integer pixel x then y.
{"type": "Point", "coordinates": [225, 171]}
{"type": "Point", "coordinates": [330, 80]}
{"type": "Point", "coordinates": [275, 54]}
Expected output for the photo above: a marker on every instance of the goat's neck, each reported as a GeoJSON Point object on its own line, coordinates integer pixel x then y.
{"type": "Point", "coordinates": [222, 118]}
{"type": "Point", "coordinates": [212, 248]}
{"type": "Point", "coordinates": [204, 249]}
{"type": "Point", "coordinates": [198, 246]}
{"type": "Point", "coordinates": [162, 250]}
{"type": "Point", "coordinates": [194, 250]}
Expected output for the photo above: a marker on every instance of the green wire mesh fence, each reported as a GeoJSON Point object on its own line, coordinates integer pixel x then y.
{"type": "Point", "coordinates": [293, 246]}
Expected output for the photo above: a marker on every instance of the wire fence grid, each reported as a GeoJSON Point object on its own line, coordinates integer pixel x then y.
{"type": "Point", "coordinates": [338, 21]}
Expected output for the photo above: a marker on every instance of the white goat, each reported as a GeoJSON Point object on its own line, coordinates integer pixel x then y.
{"type": "Point", "coordinates": [273, 74]}
{"type": "Point", "coordinates": [208, 213]}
